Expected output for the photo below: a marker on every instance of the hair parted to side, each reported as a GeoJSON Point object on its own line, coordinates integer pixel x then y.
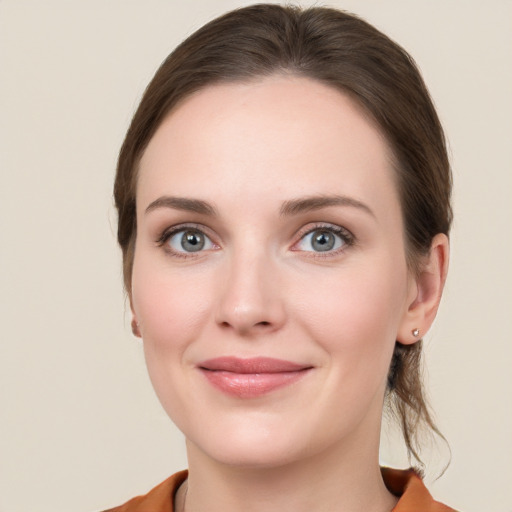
{"type": "Point", "coordinates": [345, 52]}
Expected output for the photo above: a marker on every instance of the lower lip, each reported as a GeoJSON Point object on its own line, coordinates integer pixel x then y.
{"type": "Point", "coordinates": [252, 385]}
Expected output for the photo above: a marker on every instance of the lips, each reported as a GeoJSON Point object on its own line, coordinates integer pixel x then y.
{"type": "Point", "coordinates": [250, 378]}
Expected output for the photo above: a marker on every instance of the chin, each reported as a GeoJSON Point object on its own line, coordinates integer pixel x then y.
{"type": "Point", "coordinates": [250, 447]}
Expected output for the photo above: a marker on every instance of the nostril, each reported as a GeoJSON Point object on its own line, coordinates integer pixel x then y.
{"type": "Point", "coordinates": [263, 324]}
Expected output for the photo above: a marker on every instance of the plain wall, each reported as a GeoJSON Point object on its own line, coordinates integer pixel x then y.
{"type": "Point", "coordinates": [80, 426]}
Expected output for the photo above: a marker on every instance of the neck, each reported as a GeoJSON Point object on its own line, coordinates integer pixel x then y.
{"type": "Point", "coordinates": [327, 482]}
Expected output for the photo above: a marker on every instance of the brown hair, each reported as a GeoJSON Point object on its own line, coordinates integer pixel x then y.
{"type": "Point", "coordinates": [347, 53]}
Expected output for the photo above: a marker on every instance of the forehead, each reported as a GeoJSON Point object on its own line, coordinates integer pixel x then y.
{"type": "Point", "coordinates": [284, 133]}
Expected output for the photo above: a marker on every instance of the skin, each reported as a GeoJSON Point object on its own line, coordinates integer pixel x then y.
{"type": "Point", "coordinates": [259, 288]}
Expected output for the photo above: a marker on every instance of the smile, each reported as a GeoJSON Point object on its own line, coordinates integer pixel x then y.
{"type": "Point", "coordinates": [251, 378]}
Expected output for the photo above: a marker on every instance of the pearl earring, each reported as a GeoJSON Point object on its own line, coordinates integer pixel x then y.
{"type": "Point", "coordinates": [415, 332]}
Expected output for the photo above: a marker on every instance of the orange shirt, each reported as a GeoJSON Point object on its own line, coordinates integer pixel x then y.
{"type": "Point", "coordinates": [407, 485]}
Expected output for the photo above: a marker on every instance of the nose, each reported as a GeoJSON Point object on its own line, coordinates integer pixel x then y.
{"type": "Point", "coordinates": [251, 298]}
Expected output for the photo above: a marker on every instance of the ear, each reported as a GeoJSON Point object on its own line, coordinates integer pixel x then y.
{"type": "Point", "coordinates": [135, 328]}
{"type": "Point", "coordinates": [425, 292]}
{"type": "Point", "coordinates": [135, 323]}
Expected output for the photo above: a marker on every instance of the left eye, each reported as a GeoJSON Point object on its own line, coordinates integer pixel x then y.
{"type": "Point", "coordinates": [189, 240]}
{"type": "Point", "coordinates": [321, 240]}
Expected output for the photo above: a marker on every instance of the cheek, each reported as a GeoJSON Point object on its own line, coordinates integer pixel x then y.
{"type": "Point", "coordinates": [171, 313]}
{"type": "Point", "coordinates": [172, 309]}
{"type": "Point", "coordinates": [168, 304]}
{"type": "Point", "coordinates": [355, 315]}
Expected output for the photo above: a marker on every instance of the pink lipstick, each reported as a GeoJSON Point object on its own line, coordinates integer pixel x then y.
{"type": "Point", "coordinates": [251, 378]}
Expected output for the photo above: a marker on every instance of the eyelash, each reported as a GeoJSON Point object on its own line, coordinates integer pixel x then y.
{"type": "Point", "coordinates": [170, 232]}
{"type": "Point", "coordinates": [344, 234]}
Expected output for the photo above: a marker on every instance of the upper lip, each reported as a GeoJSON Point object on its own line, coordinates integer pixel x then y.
{"type": "Point", "coordinates": [251, 365]}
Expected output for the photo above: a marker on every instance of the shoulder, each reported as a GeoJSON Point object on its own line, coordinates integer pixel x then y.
{"type": "Point", "coordinates": [159, 499]}
{"type": "Point", "coordinates": [412, 493]}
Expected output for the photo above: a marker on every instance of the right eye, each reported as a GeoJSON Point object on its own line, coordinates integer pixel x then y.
{"type": "Point", "coordinates": [189, 240]}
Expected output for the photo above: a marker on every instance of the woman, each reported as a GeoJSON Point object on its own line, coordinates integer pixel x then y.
{"type": "Point", "coordinates": [284, 208]}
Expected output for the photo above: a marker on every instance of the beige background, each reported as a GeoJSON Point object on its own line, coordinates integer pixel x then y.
{"type": "Point", "coordinates": [80, 426]}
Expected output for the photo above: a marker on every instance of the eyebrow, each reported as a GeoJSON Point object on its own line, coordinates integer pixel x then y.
{"type": "Point", "coordinates": [311, 203]}
{"type": "Point", "coordinates": [183, 203]}
{"type": "Point", "coordinates": [289, 208]}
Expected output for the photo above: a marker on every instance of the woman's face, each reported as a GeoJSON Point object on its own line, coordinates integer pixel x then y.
{"type": "Point", "coordinates": [269, 279]}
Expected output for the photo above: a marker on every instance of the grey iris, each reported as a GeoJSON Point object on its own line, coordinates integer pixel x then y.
{"type": "Point", "coordinates": [192, 241]}
{"type": "Point", "coordinates": [322, 241]}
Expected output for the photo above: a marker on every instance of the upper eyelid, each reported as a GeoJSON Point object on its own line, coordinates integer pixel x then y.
{"type": "Point", "coordinates": [163, 241]}
{"type": "Point", "coordinates": [172, 230]}
{"type": "Point", "coordinates": [345, 234]}
{"type": "Point", "coordinates": [314, 226]}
